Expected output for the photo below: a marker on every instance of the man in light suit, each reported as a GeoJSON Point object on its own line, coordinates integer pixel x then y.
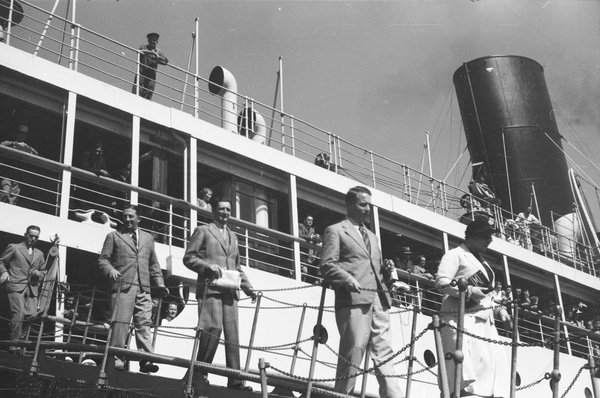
{"type": "Point", "coordinates": [128, 254]}
{"type": "Point", "coordinates": [351, 262]}
{"type": "Point", "coordinates": [21, 270]}
{"type": "Point", "coordinates": [213, 253]}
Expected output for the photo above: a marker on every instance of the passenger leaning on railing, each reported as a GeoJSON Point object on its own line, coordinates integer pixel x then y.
{"type": "Point", "coordinates": [11, 174]}
{"type": "Point", "coordinates": [150, 58]}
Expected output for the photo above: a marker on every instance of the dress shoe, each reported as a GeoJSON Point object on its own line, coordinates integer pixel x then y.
{"type": "Point", "coordinates": [148, 367]}
{"type": "Point", "coordinates": [240, 387]}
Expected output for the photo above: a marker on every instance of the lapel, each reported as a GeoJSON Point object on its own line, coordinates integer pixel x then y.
{"type": "Point", "coordinates": [28, 257]}
{"type": "Point", "coordinates": [212, 227]}
{"type": "Point", "coordinates": [353, 232]}
{"type": "Point", "coordinates": [483, 267]}
{"type": "Point", "coordinates": [127, 239]}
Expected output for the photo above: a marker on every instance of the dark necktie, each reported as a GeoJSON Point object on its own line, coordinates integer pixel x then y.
{"type": "Point", "coordinates": [365, 236]}
{"type": "Point", "coordinates": [134, 237]}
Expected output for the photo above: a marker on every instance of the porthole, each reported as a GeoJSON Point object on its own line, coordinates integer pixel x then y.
{"type": "Point", "coordinates": [429, 358]}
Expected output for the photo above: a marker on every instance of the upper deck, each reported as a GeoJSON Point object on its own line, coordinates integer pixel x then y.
{"type": "Point", "coordinates": [176, 144]}
{"type": "Point", "coordinates": [76, 90]}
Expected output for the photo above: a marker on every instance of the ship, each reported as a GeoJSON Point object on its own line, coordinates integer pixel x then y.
{"type": "Point", "coordinates": [201, 132]}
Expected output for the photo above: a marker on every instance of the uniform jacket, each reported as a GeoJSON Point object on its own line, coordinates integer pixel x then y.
{"type": "Point", "coordinates": [461, 263]}
{"type": "Point", "coordinates": [207, 246]}
{"type": "Point", "coordinates": [20, 265]}
{"type": "Point", "coordinates": [344, 254]}
{"type": "Point", "coordinates": [120, 253]}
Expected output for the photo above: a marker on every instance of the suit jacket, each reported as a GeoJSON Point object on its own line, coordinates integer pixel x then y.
{"type": "Point", "coordinates": [304, 232]}
{"type": "Point", "coordinates": [461, 263]}
{"type": "Point", "coordinates": [119, 252]}
{"type": "Point", "coordinates": [344, 254]}
{"type": "Point", "coordinates": [206, 247]}
{"type": "Point", "coordinates": [20, 265]}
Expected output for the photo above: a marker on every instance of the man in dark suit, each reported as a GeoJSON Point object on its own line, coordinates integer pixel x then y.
{"type": "Point", "coordinates": [213, 253]}
{"type": "Point", "coordinates": [351, 261]}
{"type": "Point", "coordinates": [128, 254]}
{"type": "Point", "coordinates": [21, 270]}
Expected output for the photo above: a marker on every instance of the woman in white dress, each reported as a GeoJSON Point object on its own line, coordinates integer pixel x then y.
{"type": "Point", "coordinates": [486, 369]}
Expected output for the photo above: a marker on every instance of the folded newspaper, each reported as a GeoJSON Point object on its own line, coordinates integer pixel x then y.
{"type": "Point", "coordinates": [230, 279]}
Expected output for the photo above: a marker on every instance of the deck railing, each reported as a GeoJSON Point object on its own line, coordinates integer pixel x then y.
{"type": "Point", "coordinates": [68, 43]}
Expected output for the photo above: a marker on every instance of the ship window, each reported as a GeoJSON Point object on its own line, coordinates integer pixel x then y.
{"type": "Point", "coordinates": [254, 204]}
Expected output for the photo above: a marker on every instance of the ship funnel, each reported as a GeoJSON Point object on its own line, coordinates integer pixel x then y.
{"type": "Point", "coordinates": [512, 135]}
{"type": "Point", "coordinates": [222, 83]}
{"type": "Point", "coordinates": [5, 14]}
{"type": "Point", "coordinates": [251, 124]}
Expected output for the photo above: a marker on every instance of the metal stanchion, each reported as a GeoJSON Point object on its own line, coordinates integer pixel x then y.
{"type": "Point", "coordinates": [288, 393]}
{"type": "Point", "coordinates": [515, 340]}
{"type": "Point", "coordinates": [253, 332]}
{"type": "Point", "coordinates": [317, 339]}
{"type": "Point", "coordinates": [87, 323]}
{"type": "Point", "coordinates": [189, 390]}
{"type": "Point", "coordinates": [555, 375]}
{"type": "Point", "coordinates": [102, 375]}
{"type": "Point", "coordinates": [34, 362]}
{"type": "Point", "coordinates": [593, 373]}
{"type": "Point", "coordinates": [460, 324]}
{"type": "Point", "coordinates": [442, 375]}
{"type": "Point", "coordinates": [363, 387]}
{"type": "Point", "coordinates": [262, 368]}
{"type": "Point", "coordinates": [74, 318]}
{"type": "Point", "coordinates": [411, 355]}
{"type": "Point", "coordinates": [157, 321]}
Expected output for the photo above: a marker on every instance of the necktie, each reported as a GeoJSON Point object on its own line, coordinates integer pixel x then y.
{"type": "Point", "coordinates": [134, 237]}
{"type": "Point", "coordinates": [365, 236]}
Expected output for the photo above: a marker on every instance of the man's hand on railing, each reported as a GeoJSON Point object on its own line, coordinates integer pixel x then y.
{"type": "Point", "coordinates": [4, 277]}
{"type": "Point", "coordinates": [114, 274]}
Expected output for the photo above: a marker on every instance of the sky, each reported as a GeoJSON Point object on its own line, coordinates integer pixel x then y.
{"type": "Point", "coordinates": [378, 73]}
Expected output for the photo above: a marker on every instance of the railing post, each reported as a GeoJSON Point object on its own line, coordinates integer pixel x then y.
{"type": "Point", "coordinates": [190, 375]}
{"type": "Point", "coordinates": [555, 375]}
{"type": "Point", "coordinates": [74, 318]}
{"type": "Point", "coordinates": [278, 390]}
{"type": "Point", "coordinates": [102, 375]}
{"type": "Point", "coordinates": [442, 375]}
{"type": "Point", "coordinates": [34, 362]}
{"type": "Point", "coordinates": [363, 387]}
{"type": "Point", "coordinates": [262, 367]}
{"type": "Point", "coordinates": [316, 341]}
{"type": "Point", "coordinates": [413, 334]}
{"type": "Point", "coordinates": [458, 356]}
{"type": "Point", "coordinates": [293, 135]}
{"type": "Point", "coordinates": [593, 371]}
{"type": "Point", "coordinates": [157, 321]}
{"type": "Point", "coordinates": [87, 323]}
{"type": "Point", "coordinates": [515, 341]}
{"type": "Point", "coordinates": [253, 331]}
{"type": "Point", "coordinates": [373, 169]}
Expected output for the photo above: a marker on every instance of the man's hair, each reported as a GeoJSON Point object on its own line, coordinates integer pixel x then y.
{"type": "Point", "coordinates": [309, 215]}
{"type": "Point", "coordinates": [34, 227]}
{"type": "Point", "coordinates": [205, 191]}
{"type": "Point", "coordinates": [352, 195]}
{"type": "Point", "coordinates": [214, 201]}
{"type": "Point", "coordinates": [132, 207]}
